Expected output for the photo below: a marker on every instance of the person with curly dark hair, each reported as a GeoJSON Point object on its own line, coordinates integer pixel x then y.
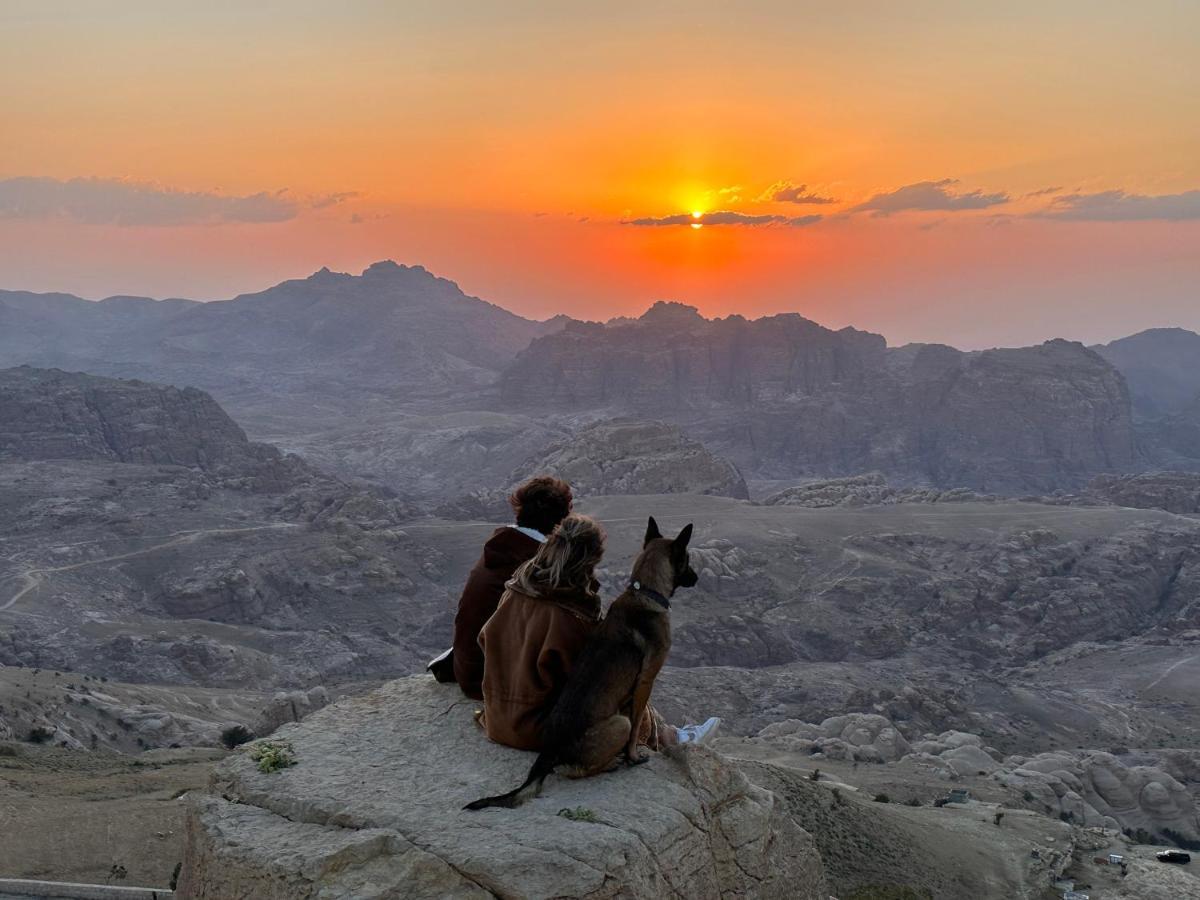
{"type": "Point", "coordinates": [538, 506]}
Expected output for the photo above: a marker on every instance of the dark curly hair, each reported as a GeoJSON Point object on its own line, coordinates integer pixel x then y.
{"type": "Point", "coordinates": [541, 503]}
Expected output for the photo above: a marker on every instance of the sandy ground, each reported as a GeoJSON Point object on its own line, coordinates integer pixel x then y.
{"type": "Point", "coordinates": [73, 816]}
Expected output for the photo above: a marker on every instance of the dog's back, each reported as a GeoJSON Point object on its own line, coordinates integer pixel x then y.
{"type": "Point", "coordinates": [631, 644]}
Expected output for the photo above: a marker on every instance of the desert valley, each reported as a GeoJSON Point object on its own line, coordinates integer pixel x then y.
{"type": "Point", "coordinates": [922, 571]}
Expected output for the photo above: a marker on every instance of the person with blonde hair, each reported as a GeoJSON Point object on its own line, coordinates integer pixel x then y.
{"type": "Point", "coordinates": [530, 644]}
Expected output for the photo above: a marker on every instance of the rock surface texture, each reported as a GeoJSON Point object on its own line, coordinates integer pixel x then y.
{"type": "Point", "coordinates": [631, 457]}
{"type": "Point", "coordinates": [372, 809]}
{"type": "Point", "coordinates": [49, 414]}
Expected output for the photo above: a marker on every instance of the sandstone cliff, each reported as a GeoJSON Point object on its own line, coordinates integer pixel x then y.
{"type": "Point", "coordinates": [50, 414]}
{"type": "Point", "coordinates": [783, 397]}
{"type": "Point", "coordinates": [372, 809]}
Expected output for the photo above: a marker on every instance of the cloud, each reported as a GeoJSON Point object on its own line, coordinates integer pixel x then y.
{"type": "Point", "coordinates": [114, 201]}
{"type": "Point", "coordinates": [1044, 191]}
{"type": "Point", "coordinates": [725, 217]}
{"type": "Point", "coordinates": [928, 195]}
{"type": "Point", "coordinates": [786, 192]}
{"type": "Point", "coordinates": [1118, 206]}
{"type": "Point", "coordinates": [326, 200]}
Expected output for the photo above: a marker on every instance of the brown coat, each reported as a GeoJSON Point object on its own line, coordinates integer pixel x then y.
{"type": "Point", "coordinates": [504, 551]}
{"type": "Point", "coordinates": [531, 645]}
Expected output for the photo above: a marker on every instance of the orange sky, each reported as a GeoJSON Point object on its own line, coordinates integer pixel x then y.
{"type": "Point", "coordinates": [511, 147]}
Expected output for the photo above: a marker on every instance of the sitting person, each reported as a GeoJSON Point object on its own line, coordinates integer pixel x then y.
{"type": "Point", "coordinates": [531, 643]}
{"type": "Point", "coordinates": [539, 504]}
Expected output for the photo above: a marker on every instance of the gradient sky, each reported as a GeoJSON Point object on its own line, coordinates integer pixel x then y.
{"type": "Point", "coordinates": [975, 173]}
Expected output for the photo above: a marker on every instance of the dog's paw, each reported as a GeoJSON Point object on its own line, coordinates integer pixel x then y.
{"type": "Point", "coordinates": [637, 758]}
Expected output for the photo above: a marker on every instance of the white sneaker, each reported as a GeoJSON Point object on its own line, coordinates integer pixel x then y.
{"type": "Point", "coordinates": [699, 734]}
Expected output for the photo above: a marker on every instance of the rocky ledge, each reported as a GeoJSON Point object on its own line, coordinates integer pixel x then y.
{"type": "Point", "coordinates": [372, 809]}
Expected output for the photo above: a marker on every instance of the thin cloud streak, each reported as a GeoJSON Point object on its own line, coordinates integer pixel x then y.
{"type": "Point", "coordinates": [1118, 206]}
{"type": "Point", "coordinates": [928, 196]}
{"type": "Point", "coordinates": [724, 217]}
{"type": "Point", "coordinates": [786, 192]}
{"type": "Point", "coordinates": [114, 201]}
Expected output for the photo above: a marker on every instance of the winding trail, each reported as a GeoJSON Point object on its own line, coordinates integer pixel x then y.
{"type": "Point", "coordinates": [1169, 670]}
{"type": "Point", "coordinates": [35, 577]}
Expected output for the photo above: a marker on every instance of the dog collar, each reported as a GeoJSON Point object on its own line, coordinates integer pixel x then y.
{"type": "Point", "coordinates": [651, 593]}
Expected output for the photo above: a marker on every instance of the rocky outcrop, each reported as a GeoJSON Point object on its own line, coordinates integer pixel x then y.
{"type": "Point", "coordinates": [673, 358]}
{"type": "Point", "coordinates": [858, 737]}
{"type": "Point", "coordinates": [372, 808]}
{"type": "Point", "coordinates": [49, 414]}
{"type": "Point", "coordinates": [1094, 788]}
{"type": "Point", "coordinates": [1177, 492]}
{"type": "Point", "coordinates": [871, 489]}
{"type": "Point", "coordinates": [633, 457]}
{"type": "Point", "coordinates": [783, 397]}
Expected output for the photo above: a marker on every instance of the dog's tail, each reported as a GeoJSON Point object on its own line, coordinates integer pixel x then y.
{"type": "Point", "coordinates": [542, 767]}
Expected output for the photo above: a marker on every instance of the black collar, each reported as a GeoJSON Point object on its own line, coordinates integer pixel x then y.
{"type": "Point", "coordinates": [651, 593]}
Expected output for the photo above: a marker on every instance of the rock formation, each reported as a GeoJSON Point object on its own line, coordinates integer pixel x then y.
{"type": "Point", "coordinates": [48, 414]}
{"type": "Point", "coordinates": [633, 457]}
{"type": "Point", "coordinates": [1094, 788]}
{"type": "Point", "coordinates": [871, 489]}
{"type": "Point", "coordinates": [372, 808]}
{"type": "Point", "coordinates": [1177, 492]}
{"type": "Point", "coordinates": [858, 737]}
{"type": "Point", "coordinates": [784, 397]}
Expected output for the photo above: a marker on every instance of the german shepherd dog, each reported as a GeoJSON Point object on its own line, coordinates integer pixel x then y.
{"type": "Point", "coordinates": [597, 714]}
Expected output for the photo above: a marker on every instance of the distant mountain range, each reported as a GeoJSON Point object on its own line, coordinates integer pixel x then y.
{"type": "Point", "coordinates": [396, 332]}
{"type": "Point", "coordinates": [350, 369]}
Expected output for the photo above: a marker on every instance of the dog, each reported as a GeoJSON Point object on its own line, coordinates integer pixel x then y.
{"type": "Point", "coordinates": [597, 714]}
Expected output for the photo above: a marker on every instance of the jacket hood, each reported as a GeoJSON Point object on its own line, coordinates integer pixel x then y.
{"type": "Point", "coordinates": [507, 548]}
{"type": "Point", "coordinates": [584, 604]}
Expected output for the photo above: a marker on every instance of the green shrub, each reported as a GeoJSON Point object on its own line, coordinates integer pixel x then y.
{"type": "Point", "coordinates": [882, 798]}
{"type": "Point", "coordinates": [578, 814]}
{"type": "Point", "coordinates": [272, 756]}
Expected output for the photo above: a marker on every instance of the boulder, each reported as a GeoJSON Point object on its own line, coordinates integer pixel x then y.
{"type": "Point", "coordinates": [373, 808]}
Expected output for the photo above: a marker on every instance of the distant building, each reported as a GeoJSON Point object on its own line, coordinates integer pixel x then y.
{"type": "Point", "coordinates": [959, 795]}
{"type": "Point", "coordinates": [1115, 859]}
{"type": "Point", "coordinates": [1075, 895]}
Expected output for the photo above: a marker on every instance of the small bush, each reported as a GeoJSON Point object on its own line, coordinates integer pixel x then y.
{"type": "Point", "coordinates": [235, 736]}
{"type": "Point", "coordinates": [272, 756]}
{"type": "Point", "coordinates": [882, 798]}
{"type": "Point", "coordinates": [578, 814]}
{"type": "Point", "coordinates": [39, 734]}
{"type": "Point", "coordinates": [815, 776]}
{"type": "Point", "coordinates": [913, 801]}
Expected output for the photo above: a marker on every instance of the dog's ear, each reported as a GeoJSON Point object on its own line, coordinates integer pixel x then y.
{"type": "Point", "coordinates": [680, 544]}
{"type": "Point", "coordinates": [652, 532]}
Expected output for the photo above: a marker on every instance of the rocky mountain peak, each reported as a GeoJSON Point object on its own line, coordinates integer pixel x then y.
{"type": "Point", "coordinates": [671, 312]}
